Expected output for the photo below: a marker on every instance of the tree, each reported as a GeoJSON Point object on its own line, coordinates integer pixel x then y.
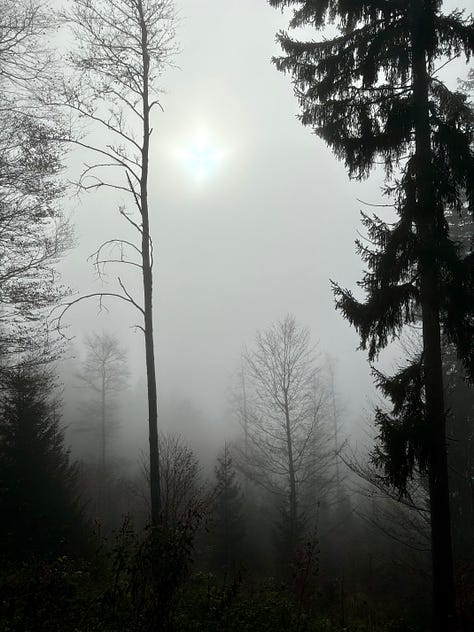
{"type": "Point", "coordinates": [104, 371]}
{"type": "Point", "coordinates": [179, 471]}
{"type": "Point", "coordinates": [460, 407]}
{"type": "Point", "coordinates": [371, 92]}
{"type": "Point", "coordinates": [335, 413]}
{"type": "Point", "coordinates": [122, 49]}
{"type": "Point", "coordinates": [288, 447]}
{"type": "Point", "coordinates": [460, 402]}
{"type": "Point", "coordinates": [179, 483]}
{"type": "Point", "coordinates": [38, 492]}
{"type": "Point", "coordinates": [33, 232]}
{"type": "Point", "coordinates": [228, 529]}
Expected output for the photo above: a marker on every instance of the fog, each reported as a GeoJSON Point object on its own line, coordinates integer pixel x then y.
{"type": "Point", "coordinates": [290, 492]}
{"type": "Point", "coordinates": [257, 236]}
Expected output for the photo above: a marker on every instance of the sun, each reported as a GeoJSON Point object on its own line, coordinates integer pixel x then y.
{"type": "Point", "coordinates": [202, 157]}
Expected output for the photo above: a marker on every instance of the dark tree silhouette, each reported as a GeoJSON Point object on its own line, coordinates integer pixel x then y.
{"type": "Point", "coordinates": [460, 406]}
{"type": "Point", "coordinates": [38, 495]}
{"type": "Point", "coordinates": [372, 92]}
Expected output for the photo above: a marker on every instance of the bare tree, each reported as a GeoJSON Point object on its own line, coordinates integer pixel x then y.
{"type": "Point", "coordinates": [122, 49]}
{"type": "Point", "coordinates": [288, 448]}
{"type": "Point", "coordinates": [404, 519]}
{"type": "Point", "coordinates": [181, 494]}
{"type": "Point", "coordinates": [335, 409]}
{"type": "Point", "coordinates": [104, 371]}
{"type": "Point", "coordinates": [179, 478]}
{"type": "Point", "coordinates": [33, 232]}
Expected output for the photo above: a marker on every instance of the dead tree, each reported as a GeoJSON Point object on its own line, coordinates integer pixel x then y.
{"type": "Point", "coordinates": [122, 47]}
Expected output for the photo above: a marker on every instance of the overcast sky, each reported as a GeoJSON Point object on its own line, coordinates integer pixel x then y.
{"type": "Point", "coordinates": [257, 236]}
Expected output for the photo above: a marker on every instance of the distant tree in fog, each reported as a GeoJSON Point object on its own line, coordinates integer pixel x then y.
{"type": "Point", "coordinates": [38, 483]}
{"type": "Point", "coordinates": [104, 372]}
{"type": "Point", "coordinates": [122, 47]}
{"type": "Point", "coordinates": [335, 415]}
{"type": "Point", "coordinates": [228, 528]}
{"type": "Point", "coordinates": [287, 444]}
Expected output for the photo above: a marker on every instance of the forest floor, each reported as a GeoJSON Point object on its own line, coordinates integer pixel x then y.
{"type": "Point", "coordinates": [70, 596]}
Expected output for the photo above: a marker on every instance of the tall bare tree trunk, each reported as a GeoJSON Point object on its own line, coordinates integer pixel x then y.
{"type": "Point", "coordinates": [155, 492]}
{"type": "Point", "coordinates": [102, 424]}
{"type": "Point", "coordinates": [444, 598]}
{"type": "Point", "coordinates": [292, 479]}
{"type": "Point", "coordinates": [335, 423]}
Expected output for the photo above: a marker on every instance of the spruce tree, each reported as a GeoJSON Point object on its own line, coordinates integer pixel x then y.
{"type": "Point", "coordinates": [38, 494]}
{"type": "Point", "coordinates": [372, 94]}
{"type": "Point", "coordinates": [229, 528]}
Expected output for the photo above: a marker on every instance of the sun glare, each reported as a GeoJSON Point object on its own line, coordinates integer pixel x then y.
{"type": "Point", "coordinates": [202, 157]}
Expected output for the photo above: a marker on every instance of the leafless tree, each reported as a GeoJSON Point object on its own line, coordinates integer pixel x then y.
{"type": "Point", "coordinates": [335, 409]}
{"type": "Point", "coordinates": [104, 372]}
{"type": "Point", "coordinates": [181, 492]}
{"type": "Point", "coordinates": [33, 232]}
{"type": "Point", "coordinates": [404, 519]}
{"type": "Point", "coordinates": [24, 55]}
{"type": "Point", "coordinates": [122, 48]}
{"type": "Point", "coordinates": [287, 449]}
{"type": "Point", "coordinates": [179, 478]}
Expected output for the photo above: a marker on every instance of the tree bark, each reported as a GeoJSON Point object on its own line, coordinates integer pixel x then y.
{"type": "Point", "coordinates": [102, 421]}
{"type": "Point", "coordinates": [444, 598]}
{"type": "Point", "coordinates": [291, 474]}
{"type": "Point", "coordinates": [155, 492]}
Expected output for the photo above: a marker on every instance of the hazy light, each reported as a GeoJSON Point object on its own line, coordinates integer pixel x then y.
{"type": "Point", "coordinates": [202, 157]}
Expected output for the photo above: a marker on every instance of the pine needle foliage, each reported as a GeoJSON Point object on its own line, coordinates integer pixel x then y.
{"type": "Point", "coordinates": [373, 94]}
{"type": "Point", "coordinates": [38, 493]}
{"type": "Point", "coordinates": [358, 91]}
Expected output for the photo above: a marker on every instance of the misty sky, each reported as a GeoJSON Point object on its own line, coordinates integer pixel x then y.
{"type": "Point", "coordinates": [257, 236]}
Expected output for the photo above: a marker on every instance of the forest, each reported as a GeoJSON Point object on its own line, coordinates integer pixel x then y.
{"type": "Point", "coordinates": [236, 316]}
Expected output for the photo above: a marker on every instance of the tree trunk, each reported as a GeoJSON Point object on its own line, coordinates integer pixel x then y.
{"type": "Point", "coordinates": [292, 479]}
{"type": "Point", "coordinates": [444, 599]}
{"type": "Point", "coordinates": [335, 421]}
{"type": "Point", "coordinates": [102, 427]}
{"type": "Point", "coordinates": [155, 493]}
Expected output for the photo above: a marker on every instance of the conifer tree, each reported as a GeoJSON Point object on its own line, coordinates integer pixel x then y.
{"type": "Point", "coordinates": [38, 494]}
{"type": "Point", "coordinates": [372, 93]}
{"type": "Point", "coordinates": [229, 525]}
{"type": "Point", "coordinates": [460, 429]}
